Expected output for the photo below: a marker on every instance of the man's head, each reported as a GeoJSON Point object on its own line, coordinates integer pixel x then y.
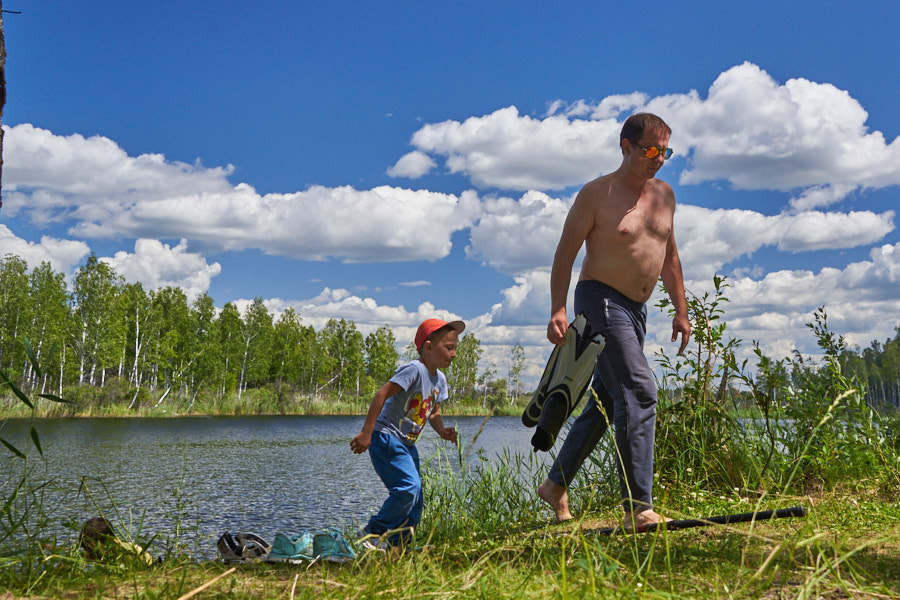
{"type": "Point", "coordinates": [432, 330]}
{"type": "Point", "coordinates": [635, 126]}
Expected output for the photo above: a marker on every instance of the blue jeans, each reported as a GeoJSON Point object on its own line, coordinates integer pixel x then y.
{"type": "Point", "coordinates": [397, 464]}
{"type": "Point", "coordinates": [626, 390]}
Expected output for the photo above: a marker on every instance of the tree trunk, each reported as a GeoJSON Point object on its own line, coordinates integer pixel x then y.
{"type": "Point", "coordinates": [2, 91]}
{"type": "Point", "coordinates": [62, 370]}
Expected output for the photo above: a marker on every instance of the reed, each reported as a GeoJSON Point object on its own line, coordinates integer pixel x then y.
{"type": "Point", "coordinates": [486, 534]}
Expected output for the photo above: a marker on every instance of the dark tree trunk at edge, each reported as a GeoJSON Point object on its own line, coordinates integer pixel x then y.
{"type": "Point", "coordinates": [2, 92]}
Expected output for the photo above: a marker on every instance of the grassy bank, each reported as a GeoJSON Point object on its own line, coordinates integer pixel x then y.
{"type": "Point", "coordinates": [486, 534]}
{"type": "Point", "coordinates": [84, 403]}
{"type": "Point", "coordinates": [848, 546]}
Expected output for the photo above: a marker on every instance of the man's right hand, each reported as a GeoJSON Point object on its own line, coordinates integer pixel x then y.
{"type": "Point", "coordinates": [556, 329]}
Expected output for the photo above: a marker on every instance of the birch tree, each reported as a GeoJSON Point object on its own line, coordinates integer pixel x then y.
{"type": "Point", "coordinates": [256, 343]}
{"type": "Point", "coordinates": [49, 313]}
{"type": "Point", "coordinates": [286, 349]}
{"type": "Point", "coordinates": [463, 372]}
{"type": "Point", "coordinates": [135, 311]}
{"type": "Point", "coordinates": [344, 345]}
{"type": "Point", "coordinates": [14, 312]}
{"type": "Point", "coordinates": [173, 336]}
{"type": "Point", "coordinates": [204, 351]}
{"type": "Point", "coordinates": [381, 358]}
{"type": "Point", "coordinates": [516, 367]}
{"type": "Point", "coordinates": [228, 335]}
{"type": "Point", "coordinates": [95, 328]}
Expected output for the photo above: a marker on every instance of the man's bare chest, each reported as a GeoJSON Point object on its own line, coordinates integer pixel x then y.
{"type": "Point", "coordinates": [648, 218]}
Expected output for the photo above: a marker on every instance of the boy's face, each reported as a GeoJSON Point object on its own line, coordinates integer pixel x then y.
{"type": "Point", "coordinates": [444, 350]}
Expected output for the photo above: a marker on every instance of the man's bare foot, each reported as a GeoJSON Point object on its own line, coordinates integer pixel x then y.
{"type": "Point", "coordinates": [556, 496]}
{"type": "Point", "coordinates": [638, 521]}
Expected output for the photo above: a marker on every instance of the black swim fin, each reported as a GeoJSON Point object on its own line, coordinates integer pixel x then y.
{"type": "Point", "coordinates": [565, 379]}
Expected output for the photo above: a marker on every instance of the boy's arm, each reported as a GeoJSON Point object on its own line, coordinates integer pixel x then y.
{"type": "Point", "coordinates": [360, 443]}
{"type": "Point", "coordinates": [437, 423]}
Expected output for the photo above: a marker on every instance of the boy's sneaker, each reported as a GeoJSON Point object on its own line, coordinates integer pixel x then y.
{"type": "Point", "coordinates": [373, 541]}
{"type": "Point", "coordinates": [241, 547]}
{"type": "Point", "coordinates": [254, 545]}
{"type": "Point", "coordinates": [229, 548]}
{"type": "Point", "coordinates": [331, 545]}
{"type": "Point", "coordinates": [293, 549]}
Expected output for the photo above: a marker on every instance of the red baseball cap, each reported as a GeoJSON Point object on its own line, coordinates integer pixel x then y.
{"type": "Point", "coordinates": [429, 326]}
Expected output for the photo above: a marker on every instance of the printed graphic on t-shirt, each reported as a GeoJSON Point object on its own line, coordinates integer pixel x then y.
{"type": "Point", "coordinates": [417, 412]}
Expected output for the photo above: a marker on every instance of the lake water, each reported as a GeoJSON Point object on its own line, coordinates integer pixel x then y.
{"type": "Point", "coordinates": [208, 475]}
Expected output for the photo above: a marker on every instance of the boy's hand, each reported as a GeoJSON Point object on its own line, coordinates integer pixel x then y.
{"type": "Point", "coordinates": [449, 434]}
{"type": "Point", "coordinates": [361, 442]}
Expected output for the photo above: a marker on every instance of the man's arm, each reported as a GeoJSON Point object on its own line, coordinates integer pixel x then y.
{"type": "Point", "coordinates": [578, 224]}
{"type": "Point", "coordinates": [674, 282]}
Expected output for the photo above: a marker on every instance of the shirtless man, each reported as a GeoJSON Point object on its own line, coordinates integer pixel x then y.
{"type": "Point", "coordinates": [625, 219]}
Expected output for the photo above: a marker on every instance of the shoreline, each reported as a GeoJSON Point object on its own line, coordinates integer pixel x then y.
{"type": "Point", "coordinates": [6, 415]}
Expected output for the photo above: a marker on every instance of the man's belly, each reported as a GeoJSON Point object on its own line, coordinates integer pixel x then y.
{"type": "Point", "coordinates": [638, 287]}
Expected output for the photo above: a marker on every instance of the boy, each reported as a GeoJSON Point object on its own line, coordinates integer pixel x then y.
{"type": "Point", "coordinates": [396, 417]}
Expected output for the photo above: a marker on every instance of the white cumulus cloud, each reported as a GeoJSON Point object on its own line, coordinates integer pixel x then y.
{"type": "Point", "coordinates": [94, 185]}
{"type": "Point", "coordinates": [413, 165]}
{"type": "Point", "coordinates": [510, 151]}
{"type": "Point", "coordinates": [759, 134]}
{"type": "Point", "coordinates": [807, 140]}
{"type": "Point", "coordinates": [63, 255]}
{"type": "Point", "coordinates": [156, 265]}
{"type": "Point", "coordinates": [365, 312]}
{"type": "Point", "coordinates": [514, 236]}
{"type": "Point", "coordinates": [860, 299]}
{"type": "Point", "coordinates": [708, 239]}
{"type": "Point", "coordinates": [749, 130]}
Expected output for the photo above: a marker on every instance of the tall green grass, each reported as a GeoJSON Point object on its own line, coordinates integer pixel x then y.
{"type": "Point", "coordinates": [24, 517]}
{"type": "Point", "coordinates": [486, 534]}
{"type": "Point", "coordinates": [814, 431]}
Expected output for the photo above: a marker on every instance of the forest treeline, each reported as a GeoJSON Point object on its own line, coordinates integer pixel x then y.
{"type": "Point", "coordinates": [878, 368]}
{"type": "Point", "coordinates": [106, 342]}
{"type": "Point", "coordinates": [875, 370]}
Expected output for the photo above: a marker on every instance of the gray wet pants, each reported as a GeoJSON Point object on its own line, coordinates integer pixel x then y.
{"type": "Point", "coordinates": [626, 389]}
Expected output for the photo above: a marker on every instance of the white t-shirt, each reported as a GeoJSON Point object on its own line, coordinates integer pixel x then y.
{"type": "Point", "coordinates": [405, 413]}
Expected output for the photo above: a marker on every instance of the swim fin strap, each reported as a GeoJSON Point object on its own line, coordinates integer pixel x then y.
{"type": "Point", "coordinates": [566, 377]}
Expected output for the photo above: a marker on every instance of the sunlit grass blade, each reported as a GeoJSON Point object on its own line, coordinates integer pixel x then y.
{"type": "Point", "coordinates": [36, 440]}
{"type": "Point", "coordinates": [32, 358]}
{"type": "Point", "coordinates": [15, 389]}
{"type": "Point", "coordinates": [54, 398]}
{"type": "Point", "coordinates": [12, 448]}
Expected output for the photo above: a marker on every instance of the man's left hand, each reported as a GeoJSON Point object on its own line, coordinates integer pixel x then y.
{"type": "Point", "coordinates": [681, 325]}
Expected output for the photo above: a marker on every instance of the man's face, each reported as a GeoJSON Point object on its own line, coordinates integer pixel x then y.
{"type": "Point", "coordinates": [650, 142]}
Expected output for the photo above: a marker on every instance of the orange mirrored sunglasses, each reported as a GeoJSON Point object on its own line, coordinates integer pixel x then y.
{"type": "Point", "coordinates": [654, 151]}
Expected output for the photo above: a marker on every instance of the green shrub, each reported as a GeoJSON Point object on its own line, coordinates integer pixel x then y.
{"type": "Point", "coordinates": [699, 438]}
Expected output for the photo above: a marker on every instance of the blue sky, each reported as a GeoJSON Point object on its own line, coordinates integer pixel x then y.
{"type": "Point", "coordinates": [386, 162]}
